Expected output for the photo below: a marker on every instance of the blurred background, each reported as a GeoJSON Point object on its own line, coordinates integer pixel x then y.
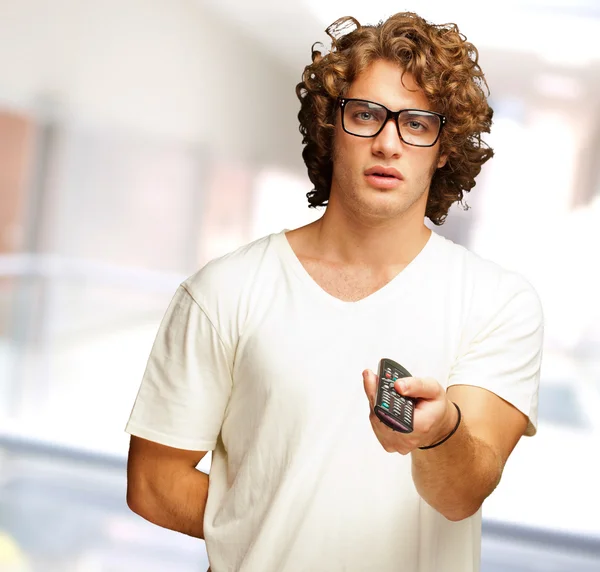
{"type": "Point", "coordinates": [141, 138]}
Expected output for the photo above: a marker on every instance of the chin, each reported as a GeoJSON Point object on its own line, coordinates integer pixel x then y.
{"type": "Point", "coordinates": [382, 209]}
{"type": "Point", "coordinates": [387, 204]}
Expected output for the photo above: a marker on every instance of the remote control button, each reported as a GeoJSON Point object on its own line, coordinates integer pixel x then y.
{"type": "Point", "coordinates": [388, 375]}
{"type": "Point", "coordinates": [384, 404]}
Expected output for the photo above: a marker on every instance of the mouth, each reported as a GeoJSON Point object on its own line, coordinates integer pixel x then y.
{"type": "Point", "coordinates": [383, 178]}
{"type": "Point", "coordinates": [384, 172]}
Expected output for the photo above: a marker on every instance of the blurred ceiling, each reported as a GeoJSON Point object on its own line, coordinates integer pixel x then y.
{"type": "Point", "coordinates": [550, 46]}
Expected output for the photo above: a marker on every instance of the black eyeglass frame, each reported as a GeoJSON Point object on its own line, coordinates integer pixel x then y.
{"type": "Point", "coordinates": [342, 101]}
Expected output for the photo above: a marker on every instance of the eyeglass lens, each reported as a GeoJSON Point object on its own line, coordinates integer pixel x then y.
{"type": "Point", "coordinates": [365, 119]}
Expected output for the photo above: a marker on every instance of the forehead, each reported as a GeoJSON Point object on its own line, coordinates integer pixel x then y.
{"type": "Point", "coordinates": [384, 82]}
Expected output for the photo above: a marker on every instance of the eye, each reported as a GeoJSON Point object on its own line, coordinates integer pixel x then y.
{"type": "Point", "coordinates": [364, 115]}
{"type": "Point", "coordinates": [416, 125]}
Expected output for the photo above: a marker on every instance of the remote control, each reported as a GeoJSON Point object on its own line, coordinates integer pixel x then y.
{"type": "Point", "coordinates": [392, 408]}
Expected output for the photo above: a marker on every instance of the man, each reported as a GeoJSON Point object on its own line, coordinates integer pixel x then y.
{"type": "Point", "coordinates": [259, 356]}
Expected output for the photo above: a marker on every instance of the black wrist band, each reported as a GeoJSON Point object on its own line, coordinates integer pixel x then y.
{"type": "Point", "coordinates": [449, 434]}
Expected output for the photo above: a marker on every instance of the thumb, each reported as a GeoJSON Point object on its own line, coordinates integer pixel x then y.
{"type": "Point", "coordinates": [370, 384]}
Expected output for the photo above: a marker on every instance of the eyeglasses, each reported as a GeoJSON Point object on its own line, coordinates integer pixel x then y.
{"type": "Point", "coordinates": [416, 127]}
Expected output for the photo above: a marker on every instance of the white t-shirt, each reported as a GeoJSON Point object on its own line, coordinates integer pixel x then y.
{"type": "Point", "coordinates": [257, 363]}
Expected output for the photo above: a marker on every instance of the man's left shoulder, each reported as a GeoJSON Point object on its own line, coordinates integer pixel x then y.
{"type": "Point", "coordinates": [487, 283]}
{"type": "Point", "coordinates": [486, 271]}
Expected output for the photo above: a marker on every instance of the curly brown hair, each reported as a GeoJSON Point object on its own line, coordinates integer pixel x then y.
{"type": "Point", "coordinates": [443, 64]}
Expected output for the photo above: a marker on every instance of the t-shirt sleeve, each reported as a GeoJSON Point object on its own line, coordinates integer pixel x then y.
{"type": "Point", "coordinates": [187, 382]}
{"type": "Point", "coordinates": [502, 351]}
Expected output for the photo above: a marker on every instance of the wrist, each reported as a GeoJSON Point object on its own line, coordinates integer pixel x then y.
{"type": "Point", "coordinates": [449, 425]}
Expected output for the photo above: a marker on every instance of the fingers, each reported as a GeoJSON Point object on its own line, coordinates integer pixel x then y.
{"type": "Point", "coordinates": [423, 387]}
{"type": "Point", "coordinates": [389, 439]}
{"type": "Point", "coordinates": [418, 387]}
{"type": "Point", "coordinates": [382, 433]}
{"type": "Point", "coordinates": [370, 385]}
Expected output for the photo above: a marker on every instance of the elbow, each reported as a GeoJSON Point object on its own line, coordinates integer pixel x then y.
{"type": "Point", "coordinates": [135, 501]}
{"type": "Point", "coordinates": [457, 514]}
{"type": "Point", "coordinates": [139, 498]}
{"type": "Point", "coordinates": [467, 507]}
{"type": "Point", "coordinates": [471, 502]}
{"type": "Point", "coordinates": [456, 508]}
{"type": "Point", "coordinates": [145, 508]}
{"type": "Point", "coordinates": [461, 509]}
{"type": "Point", "coordinates": [454, 511]}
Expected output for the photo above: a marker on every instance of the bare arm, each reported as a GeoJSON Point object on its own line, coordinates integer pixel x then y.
{"type": "Point", "coordinates": [456, 477]}
{"type": "Point", "coordinates": [165, 488]}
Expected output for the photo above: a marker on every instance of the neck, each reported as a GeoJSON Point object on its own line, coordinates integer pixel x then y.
{"type": "Point", "coordinates": [356, 240]}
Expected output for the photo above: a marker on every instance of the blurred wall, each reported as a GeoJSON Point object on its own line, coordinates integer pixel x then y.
{"type": "Point", "coordinates": [169, 68]}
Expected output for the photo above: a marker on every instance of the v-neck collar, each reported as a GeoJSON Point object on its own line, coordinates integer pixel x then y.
{"type": "Point", "coordinates": [408, 276]}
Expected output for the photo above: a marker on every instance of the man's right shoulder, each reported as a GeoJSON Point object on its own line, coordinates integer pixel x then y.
{"type": "Point", "coordinates": [227, 276]}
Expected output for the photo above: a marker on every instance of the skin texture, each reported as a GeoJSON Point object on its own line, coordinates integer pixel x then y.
{"type": "Point", "coordinates": [382, 83]}
{"type": "Point", "coordinates": [164, 486]}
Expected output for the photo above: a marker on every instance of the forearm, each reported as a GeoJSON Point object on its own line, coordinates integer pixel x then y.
{"type": "Point", "coordinates": [456, 477]}
{"type": "Point", "coordinates": [177, 503]}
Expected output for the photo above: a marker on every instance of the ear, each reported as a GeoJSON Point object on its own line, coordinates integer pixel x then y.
{"type": "Point", "coordinates": [442, 161]}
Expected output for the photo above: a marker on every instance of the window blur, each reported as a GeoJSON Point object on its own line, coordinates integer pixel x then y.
{"type": "Point", "coordinates": [138, 140]}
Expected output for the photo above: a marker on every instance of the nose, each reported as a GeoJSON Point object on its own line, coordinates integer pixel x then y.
{"type": "Point", "coordinates": [388, 143]}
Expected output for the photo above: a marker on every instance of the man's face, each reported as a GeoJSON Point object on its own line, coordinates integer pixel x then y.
{"type": "Point", "coordinates": [368, 196]}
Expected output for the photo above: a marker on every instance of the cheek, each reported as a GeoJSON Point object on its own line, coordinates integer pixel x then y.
{"type": "Point", "coordinates": [352, 156]}
{"type": "Point", "coordinates": [342, 160]}
{"type": "Point", "coordinates": [429, 164]}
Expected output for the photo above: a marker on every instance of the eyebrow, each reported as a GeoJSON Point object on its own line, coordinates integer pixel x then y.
{"type": "Point", "coordinates": [388, 107]}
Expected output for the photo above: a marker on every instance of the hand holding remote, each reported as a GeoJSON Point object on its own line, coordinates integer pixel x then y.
{"type": "Point", "coordinates": [433, 415]}
{"type": "Point", "coordinates": [391, 407]}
